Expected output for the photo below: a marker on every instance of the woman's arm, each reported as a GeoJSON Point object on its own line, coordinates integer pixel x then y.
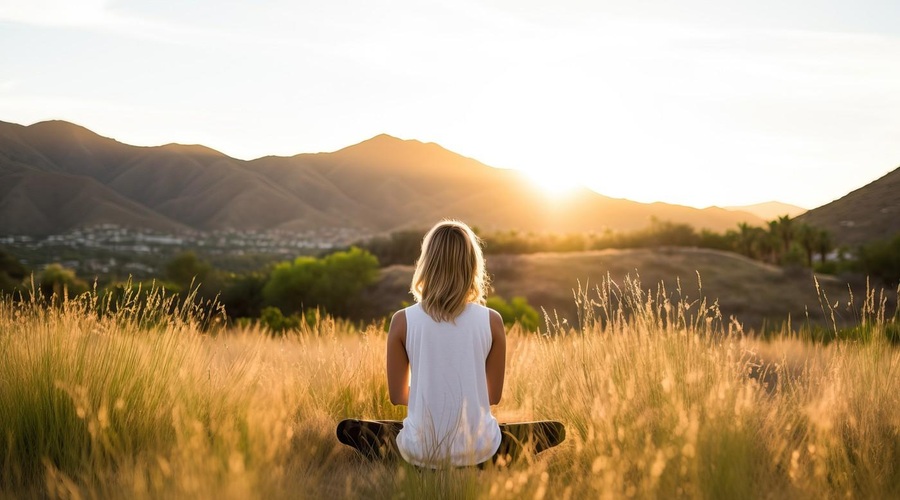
{"type": "Point", "coordinates": [398, 360]}
{"type": "Point", "coordinates": [495, 364]}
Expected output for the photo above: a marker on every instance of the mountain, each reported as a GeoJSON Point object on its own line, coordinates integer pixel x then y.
{"type": "Point", "coordinates": [770, 210]}
{"type": "Point", "coordinates": [864, 215]}
{"type": "Point", "coordinates": [57, 176]}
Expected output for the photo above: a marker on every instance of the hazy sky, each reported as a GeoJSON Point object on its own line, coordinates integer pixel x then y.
{"type": "Point", "coordinates": [697, 102]}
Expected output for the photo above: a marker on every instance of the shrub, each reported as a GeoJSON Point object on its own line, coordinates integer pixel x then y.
{"type": "Point", "coordinates": [517, 310]}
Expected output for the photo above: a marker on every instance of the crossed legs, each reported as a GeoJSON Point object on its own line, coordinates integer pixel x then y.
{"type": "Point", "coordinates": [376, 439]}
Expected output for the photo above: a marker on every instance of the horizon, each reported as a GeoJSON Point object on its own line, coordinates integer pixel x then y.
{"type": "Point", "coordinates": [702, 105]}
{"type": "Point", "coordinates": [552, 194]}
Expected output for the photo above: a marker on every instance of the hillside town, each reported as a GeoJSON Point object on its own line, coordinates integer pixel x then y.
{"type": "Point", "coordinates": [109, 249]}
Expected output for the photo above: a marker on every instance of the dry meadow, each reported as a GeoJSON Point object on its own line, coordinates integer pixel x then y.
{"type": "Point", "coordinates": [661, 396]}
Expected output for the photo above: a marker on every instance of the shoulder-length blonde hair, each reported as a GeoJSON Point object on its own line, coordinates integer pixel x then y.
{"type": "Point", "coordinates": [450, 270]}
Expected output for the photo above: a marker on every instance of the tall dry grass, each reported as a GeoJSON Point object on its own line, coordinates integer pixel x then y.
{"type": "Point", "coordinates": [661, 395]}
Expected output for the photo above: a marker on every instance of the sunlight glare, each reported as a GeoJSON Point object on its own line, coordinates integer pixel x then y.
{"type": "Point", "coordinates": [553, 184]}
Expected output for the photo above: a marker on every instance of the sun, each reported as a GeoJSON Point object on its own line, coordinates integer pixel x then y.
{"type": "Point", "coordinates": [553, 184]}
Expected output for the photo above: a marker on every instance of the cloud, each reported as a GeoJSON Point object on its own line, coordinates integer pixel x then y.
{"type": "Point", "coordinates": [102, 16]}
{"type": "Point", "coordinates": [56, 12]}
{"type": "Point", "coordinates": [8, 85]}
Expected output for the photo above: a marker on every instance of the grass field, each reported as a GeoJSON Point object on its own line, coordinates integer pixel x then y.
{"type": "Point", "coordinates": [661, 396]}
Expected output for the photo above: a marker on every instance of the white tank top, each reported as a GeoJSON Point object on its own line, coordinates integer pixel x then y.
{"type": "Point", "coordinates": [449, 416]}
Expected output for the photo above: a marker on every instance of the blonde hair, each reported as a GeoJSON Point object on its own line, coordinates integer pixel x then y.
{"type": "Point", "coordinates": [450, 270]}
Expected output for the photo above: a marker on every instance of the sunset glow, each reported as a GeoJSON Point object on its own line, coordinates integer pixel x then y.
{"type": "Point", "coordinates": [724, 103]}
{"type": "Point", "coordinates": [553, 184]}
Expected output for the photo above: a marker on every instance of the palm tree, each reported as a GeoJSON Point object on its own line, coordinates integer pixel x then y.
{"type": "Point", "coordinates": [745, 238]}
{"type": "Point", "coordinates": [786, 231]}
{"type": "Point", "coordinates": [782, 229]}
{"type": "Point", "coordinates": [824, 244]}
{"type": "Point", "coordinates": [766, 246]}
{"type": "Point", "coordinates": [807, 237]}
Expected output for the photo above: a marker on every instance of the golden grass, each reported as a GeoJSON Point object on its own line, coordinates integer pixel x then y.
{"type": "Point", "coordinates": [661, 399]}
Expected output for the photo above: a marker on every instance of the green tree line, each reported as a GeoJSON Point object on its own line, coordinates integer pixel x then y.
{"type": "Point", "coordinates": [286, 293]}
{"type": "Point", "coordinates": [281, 297]}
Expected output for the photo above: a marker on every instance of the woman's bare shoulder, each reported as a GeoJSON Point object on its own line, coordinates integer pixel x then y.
{"type": "Point", "coordinates": [496, 319]}
{"type": "Point", "coordinates": [399, 316]}
{"type": "Point", "coordinates": [398, 324]}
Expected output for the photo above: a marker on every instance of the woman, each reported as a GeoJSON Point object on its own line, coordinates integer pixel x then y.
{"type": "Point", "coordinates": [446, 361]}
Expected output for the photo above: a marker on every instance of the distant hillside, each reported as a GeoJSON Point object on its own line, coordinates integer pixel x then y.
{"type": "Point", "coordinates": [869, 213]}
{"type": "Point", "coordinates": [770, 210]}
{"type": "Point", "coordinates": [57, 176]}
{"type": "Point", "coordinates": [757, 295]}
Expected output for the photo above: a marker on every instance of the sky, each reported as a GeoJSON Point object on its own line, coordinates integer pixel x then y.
{"type": "Point", "coordinates": [696, 102]}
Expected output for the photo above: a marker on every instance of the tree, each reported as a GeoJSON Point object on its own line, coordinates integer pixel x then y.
{"type": "Point", "coordinates": [291, 285]}
{"type": "Point", "coordinates": [767, 247]}
{"type": "Point", "coordinates": [186, 268]}
{"type": "Point", "coordinates": [517, 310]}
{"type": "Point", "coordinates": [333, 282]}
{"type": "Point", "coordinates": [242, 295]}
{"type": "Point", "coordinates": [814, 241]}
{"type": "Point", "coordinates": [824, 244]}
{"type": "Point", "coordinates": [666, 233]}
{"type": "Point", "coordinates": [277, 322]}
{"type": "Point", "coordinates": [712, 239]}
{"type": "Point", "coordinates": [12, 272]}
{"type": "Point", "coordinates": [56, 280]}
{"type": "Point", "coordinates": [745, 239]}
{"type": "Point", "coordinates": [806, 237]}
{"type": "Point", "coordinates": [783, 231]}
{"type": "Point", "coordinates": [881, 260]}
{"type": "Point", "coordinates": [752, 241]}
{"type": "Point", "coordinates": [401, 247]}
{"type": "Point", "coordinates": [344, 275]}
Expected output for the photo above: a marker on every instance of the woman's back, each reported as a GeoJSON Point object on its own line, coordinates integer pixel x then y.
{"type": "Point", "coordinates": [449, 417]}
{"type": "Point", "coordinates": [446, 360]}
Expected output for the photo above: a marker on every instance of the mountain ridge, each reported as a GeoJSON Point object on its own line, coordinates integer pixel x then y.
{"type": "Point", "coordinates": [378, 185]}
{"type": "Point", "coordinates": [866, 214]}
{"type": "Point", "coordinates": [770, 210]}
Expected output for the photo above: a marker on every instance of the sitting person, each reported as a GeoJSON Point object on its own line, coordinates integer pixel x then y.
{"type": "Point", "coordinates": [446, 361]}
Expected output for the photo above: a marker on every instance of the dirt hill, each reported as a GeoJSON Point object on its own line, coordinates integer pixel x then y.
{"type": "Point", "coordinates": [755, 294]}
